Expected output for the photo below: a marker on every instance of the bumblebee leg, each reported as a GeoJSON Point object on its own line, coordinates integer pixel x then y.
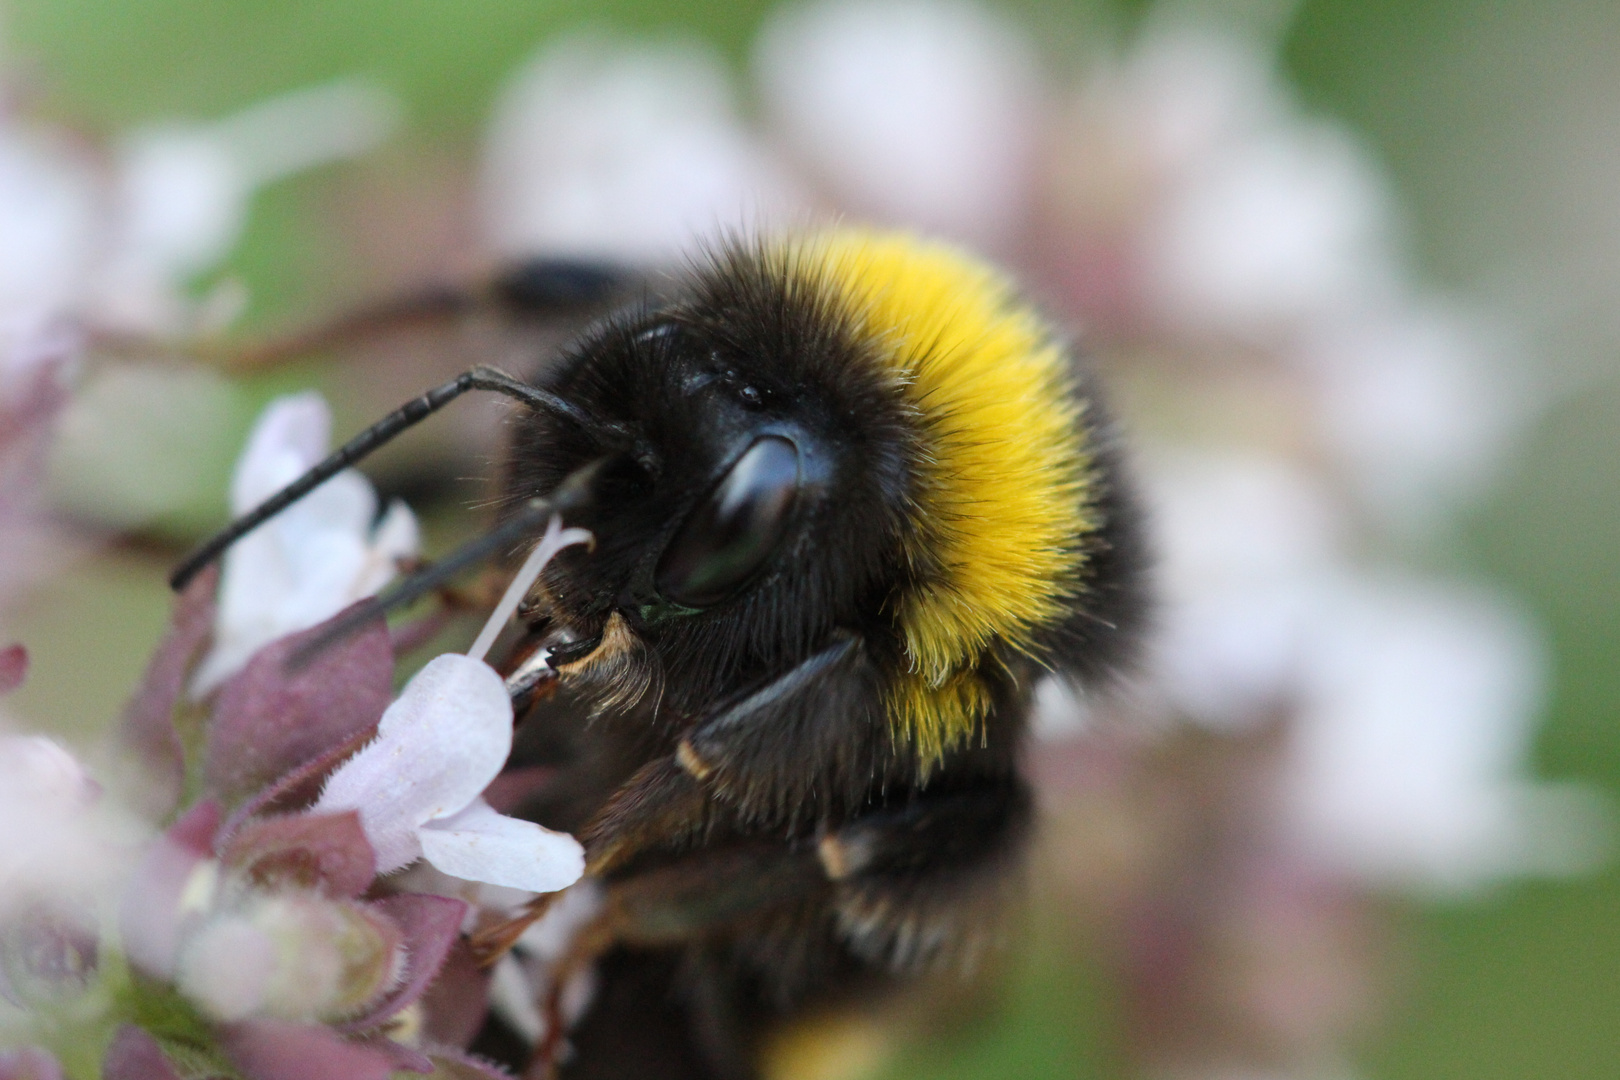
{"type": "Point", "coordinates": [753, 753]}
{"type": "Point", "coordinates": [915, 885]}
{"type": "Point", "coordinates": [706, 892]}
{"type": "Point", "coordinates": [756, 741]}
{"type": "Point", "coordinates": [662, 805]}
{"type": "Point", "coordinates": [921, 883]}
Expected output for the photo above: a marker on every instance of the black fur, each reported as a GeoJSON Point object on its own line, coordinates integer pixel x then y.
{"type": "Point", "coordinates": [761, 733]}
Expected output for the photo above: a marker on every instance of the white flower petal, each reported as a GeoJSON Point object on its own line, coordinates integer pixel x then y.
{"type": "Point", "coordinates": [480, 844]}
{"type": "Point", "coordinates": [347, 504]}
{"type": "Point", "coordinates": [554, 933]}
{"type": "Point", "coordinates": [1282, 227]}
{"type": "Point", "coordinates": [629, 152]}
{"type": "Point", "coordinates": [307, 128]}
{"type": "Point", "coordinates": [396, 537]}
{"type": "Point", "coordinates": [48, 219]}
{"type": "Point", "coordinates": [60, 844]}
{"type": "Point", "coordinates": [312, 560]}
{"type": "Point", "coordinates": [182, 204]}
{"type": "Point", "coordinates": [290, 436]}
{"type": "Point", "coordinates": [437, 748]}
{"type": "Point", "coordinates": [1420, 404]}
{"type": "Point", "coordinates": [1417, 710]}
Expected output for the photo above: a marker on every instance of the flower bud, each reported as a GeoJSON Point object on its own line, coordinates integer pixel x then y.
{"type": "Point", "coordinates": [290, 956]}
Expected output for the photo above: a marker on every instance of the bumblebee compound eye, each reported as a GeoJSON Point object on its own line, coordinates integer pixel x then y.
{"type": "Point", "coordinates": [732, 532]}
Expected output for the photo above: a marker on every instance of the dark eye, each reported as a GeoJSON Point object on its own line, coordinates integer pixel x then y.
{"type": "Point", "coordinates": [730, 535]}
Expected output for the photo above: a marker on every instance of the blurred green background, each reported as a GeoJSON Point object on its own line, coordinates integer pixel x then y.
{"type": "Point", "coordinates": [1500, 122]}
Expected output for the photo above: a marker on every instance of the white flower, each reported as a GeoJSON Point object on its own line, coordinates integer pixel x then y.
{"type": "Point", "coordinates": [1411, 402]}
{"type": "Point", "coordinates": [1408, 705]}
{"type": "Point", "coordinates": [293, 955]}
{"type": "Point", "coordinates": [125, 453]}
{"type": "Point", "coordinates": [1250, 217]}
{"type": "Point", "coordinates": [115, 242]}
{"type": "Point", "coordinates": [628, 153]}
{"type": "Point", "coordinates": [311, 561]}
{"type": "Point", "coordinates": [48, 238]}
{"type": "Point", "coordinates": [913, 112]}
{"type": "Point", "coordinates": [1183, 90]}
{"type": "Point", "coordinates": [1247, 543]}
{"type": "Point", "coordinates": [1279, 228]}
{"type": "Point", "coordinates": [181, 192]}
{"type": "Point", "coordinates": [524, 976]}
{"type": "Point", "coordinates": [417, 787]}
{"type": "Point", "coordinates": [1407, 757]}
{"type": "Point", "coordinates": [59, 842]}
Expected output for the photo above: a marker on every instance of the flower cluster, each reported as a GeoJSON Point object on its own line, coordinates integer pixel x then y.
{"type": "Point", "coordinates": [265, 931]}
{"type": "Point", "coordinates": [225, 897]}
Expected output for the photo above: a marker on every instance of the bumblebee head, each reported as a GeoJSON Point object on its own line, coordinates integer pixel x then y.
{"type": "Point", "coordinates": [756, 472]}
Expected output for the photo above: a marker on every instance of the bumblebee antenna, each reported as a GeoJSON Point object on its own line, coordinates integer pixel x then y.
{"type": "Point", "coordinates": [357, 448]}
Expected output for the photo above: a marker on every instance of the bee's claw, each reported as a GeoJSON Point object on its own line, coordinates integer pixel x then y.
{"type": "Point", "coordinates": [490, 943]}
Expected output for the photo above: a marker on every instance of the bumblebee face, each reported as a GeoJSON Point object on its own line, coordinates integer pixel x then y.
{"type": "Point", "coordinates": [745, 502]}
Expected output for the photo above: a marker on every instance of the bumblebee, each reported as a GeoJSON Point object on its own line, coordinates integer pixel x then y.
{"type": "Point", "coordinates": [852, 499]}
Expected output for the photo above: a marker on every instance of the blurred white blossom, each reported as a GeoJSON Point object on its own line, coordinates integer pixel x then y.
{"type": "Point", "coordinates": [1246, 544]}
{"type": "Point", "coordinates": [61, 844]}
{"type": "Point", "coordinates": [113, 243]}
{"type": "Point", "coordinates": [1263, 232]}
{"type": "Point", "coordinates": [49, 227]}
{"type": "Point", "coordinates": [418, 787]}
{"type": "Point", "coordinates": [182, 190]}
{"type": "Point", "coordinates": [311, 561]}
{"type": "Point", "coordinates": [911, 112]}
{"type": "Point", "coordinates": [1197, 207]}
{"type": "Point", "coordinates": [125, 451]}
{"type": "Point", "coordinates": [1407, 757]}
{"type": "Point", "coordinates": [1419, 406]}
{"type": "Point", "coordinates": [293, 955]}
{"type": "Point", "coordinates": [1253, 216]}
{"type": "Point", "coordinates": [629, 152]}
{"type": "Point", "coordinates": [524, 976]}
{"type": "Point", "coordinates": [1408, 704]}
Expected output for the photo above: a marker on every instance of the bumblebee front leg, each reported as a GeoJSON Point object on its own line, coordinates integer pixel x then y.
{"type": "Point", "coordinates": [750, 762]}
{"type": "Point", "coordinates": [903, 888]}
{"type": "Point", "coordinates": [661, 806]}
{"type": "Point", "coordinates": [917, 874]}
{"type": "Point", "coordinates": [808, 747]}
